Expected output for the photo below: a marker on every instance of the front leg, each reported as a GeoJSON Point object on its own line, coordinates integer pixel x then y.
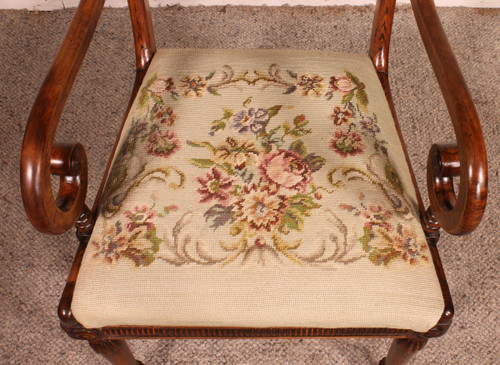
{"type": "Point", "coordinates": [402, 349]}
{"type": "Point", "coordinates": [116, 352]}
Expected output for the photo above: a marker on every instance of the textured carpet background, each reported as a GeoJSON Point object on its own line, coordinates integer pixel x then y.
{"type": "Point", "coordinates": [33, 267]}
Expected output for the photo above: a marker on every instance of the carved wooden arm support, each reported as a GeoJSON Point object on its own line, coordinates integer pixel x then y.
{"type": "Point", "coordinates": [40, 156]}
{"type": "Point", "coordinates": [467, 158]}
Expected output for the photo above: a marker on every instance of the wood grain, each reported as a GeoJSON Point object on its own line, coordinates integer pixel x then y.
{"type": "Point", "coordinates": [40, 156]}
{"type": "Point", "coordinates": [462, 214]}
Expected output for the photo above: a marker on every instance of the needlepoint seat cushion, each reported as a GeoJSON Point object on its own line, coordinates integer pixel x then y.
{"type": "Point", "coordinates": [259, 188]}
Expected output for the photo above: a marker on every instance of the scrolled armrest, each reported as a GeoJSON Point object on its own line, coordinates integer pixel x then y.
{"type": "Point", "coordinates": [40, 156]}
{"type": "Point", "coordinates": [467, 158]}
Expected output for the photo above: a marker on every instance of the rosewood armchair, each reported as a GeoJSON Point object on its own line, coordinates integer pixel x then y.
{"type": "Point", "coordinates": [256, 193]}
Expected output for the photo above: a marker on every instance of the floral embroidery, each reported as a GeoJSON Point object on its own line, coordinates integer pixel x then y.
{"type": "Point", "coordinates": [253, 120]}
{"type": "Point", "coordinates": [163, 115]}
{"type": "Point", "coordinates": [163, 144]}
{"type": "Point", "coordinates": [384, 240]}
{"type": "Point", "coordinates": [267, 184]}
{"type": "Point", "coordinates": [193, 86]}
{"type": "Point", "coordinates": [347, 144]}
{"type": "Point", "coordinates": [215, 186]}
{"type": "Point", "coordinates": [261, 207]}
{"type": "Point", "coordinates": [311, 85]}
{"type": "Point", "coordinates": [161, 86]}
{"type": "Point", "coordinates": [286, 169]}
{"type": "Point", "coordinates": [258, 183]}
{"type": "Point", "coordinates": [349, 86]}
{"type": "Point", "coordinates": [153, 133]}
{"type": "Point", "coordinates": [341, 115]}
{"type": "Point", "coordinates": [138, 243]}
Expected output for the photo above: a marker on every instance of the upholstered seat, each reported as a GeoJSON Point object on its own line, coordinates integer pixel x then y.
{"type": "Point", "coordinates": [259, 188]}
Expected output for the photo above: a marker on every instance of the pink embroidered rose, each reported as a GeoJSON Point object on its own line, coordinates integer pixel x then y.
{"type": "Point", "coordinates": [163, 144]}
{"type": "Point", "coordinates": [342, 84]}
{"type": "Point", "coordinates": [215, 186]}
{"type": "Point", "coordinates": [261, 207]}
{"type": "Point", "coordinates": [287, 170]}
{"type": "Point", "coordinates": [161, 86]}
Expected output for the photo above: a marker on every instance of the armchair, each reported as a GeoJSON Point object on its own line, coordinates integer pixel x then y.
{"type": "Point", "coordinates": [283, 114]}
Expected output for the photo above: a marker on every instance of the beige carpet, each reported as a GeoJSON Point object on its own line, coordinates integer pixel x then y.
{"type": "Point", "coordinates": [33, 267]}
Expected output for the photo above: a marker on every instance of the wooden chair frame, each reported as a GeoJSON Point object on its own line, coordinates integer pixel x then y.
{"type": "Point", "coordinates": [455, 213]}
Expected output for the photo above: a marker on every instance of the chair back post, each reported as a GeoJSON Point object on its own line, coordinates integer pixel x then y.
{"type": "Point", "coordinates": [381, 34]}
{"type": "Point", "coordinates": [144, 39]}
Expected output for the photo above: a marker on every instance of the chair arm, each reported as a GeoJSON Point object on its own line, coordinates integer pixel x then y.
{"type": "Point", "coordinates": [40, 157]}
{"type": "Point", "coordinates": [466, 158]}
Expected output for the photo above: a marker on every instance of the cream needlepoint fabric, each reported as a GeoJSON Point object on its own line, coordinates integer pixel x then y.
{"type": "Point", "coordinates": [259, 188]}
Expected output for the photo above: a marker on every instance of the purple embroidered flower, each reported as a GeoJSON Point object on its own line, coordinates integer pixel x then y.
{"type": "Point", "coordinates": [253, 119]}
{"type": "Point", "coordinates": [347, 143]}
{"type": "Point", "coordinates": [163, 144]}
{"type": "Point", "coordinates": [215, 186]}
{"type": "Point", "coordinates": [369, 126]}
{"type": "Point", "coordinates": [286, 169]}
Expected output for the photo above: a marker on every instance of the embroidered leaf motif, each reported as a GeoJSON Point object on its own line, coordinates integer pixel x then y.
{"type": "Point", "coordinates": [347, 98]}
{"type": "Point", "coordinates": [143, 99]}
{"type": "Point", "coordinates": [299, 148]}
{"type": "Point", "coordinates": [292, 74]}
{"type": "Point", "coordinates": [217, 125]}
{"type": "Point", "coordinates": [303, 203]}
{"type": "Point", "coordinates": [315, 162]}
{"type": "Point", "coordinates": [207, 145]}
{"type": "Point", "coordinates": [298, 130]}
{"type": "Point", "coordinates": [213, 91]}
{"type": "Point", "coordinates": [299, 206]}
{"type": "Point", "coordinates": [218, 215]}
{"type": "Point", "coordinates": [272, 111]}
{"type": "Point", "coordinates": [210, 75]}
{"type": "Point", "coordinates": [157, 99]}
{"type": "Point", "coordinates": [291, 220]}
{"type": "Point", "coordinates": [290, 90]}
{"type": "Point", "coordinates": [362, 96]}
{"type": "Point", "coordinates": [352, 77]}
{"type": "Point", "coordinates": [201, 162]}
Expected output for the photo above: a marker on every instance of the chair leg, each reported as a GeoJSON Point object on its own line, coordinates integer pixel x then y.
{"type": "Point", "coordinates": [402, 349]}
{"type": "Point", "coordinates": [116, 352]}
